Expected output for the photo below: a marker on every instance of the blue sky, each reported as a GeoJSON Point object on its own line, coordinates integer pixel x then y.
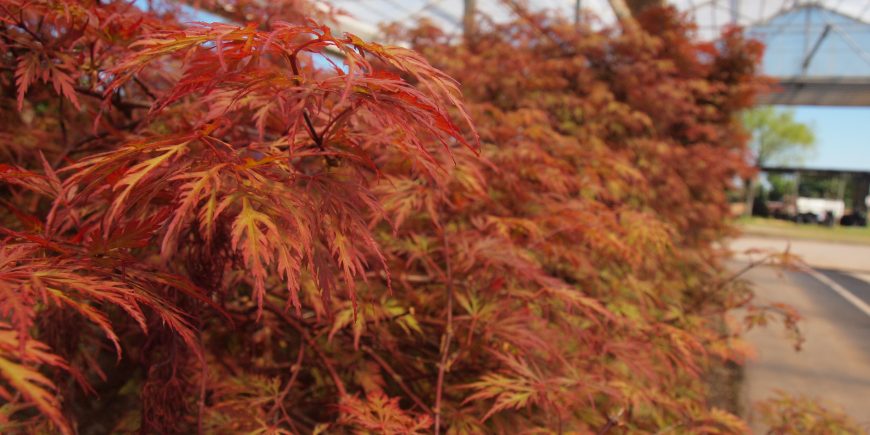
{"type": "Point", "coordinates": [841, 133]}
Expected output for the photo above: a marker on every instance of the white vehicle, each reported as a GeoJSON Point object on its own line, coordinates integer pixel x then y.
{"type": "Point", "coordinates": [820, 207]}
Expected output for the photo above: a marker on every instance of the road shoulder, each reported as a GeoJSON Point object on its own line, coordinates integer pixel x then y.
{"type": "Point", "coordinates": [834, 364]}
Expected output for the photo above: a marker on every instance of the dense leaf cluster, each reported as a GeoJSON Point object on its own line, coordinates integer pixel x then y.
{"type": "Point", "coordinates": [271, 228]}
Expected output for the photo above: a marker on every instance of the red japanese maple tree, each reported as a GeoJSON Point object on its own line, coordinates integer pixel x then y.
{"type": "Point", "coordinates": [225, 228]}
{"type": "Point", "coordinates": [165, 171]}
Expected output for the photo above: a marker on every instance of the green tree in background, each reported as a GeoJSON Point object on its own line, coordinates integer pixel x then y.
{"type": "Point", "coordinates": [777, 138]}
{"type": "Point", "coordinates": [780, 186]}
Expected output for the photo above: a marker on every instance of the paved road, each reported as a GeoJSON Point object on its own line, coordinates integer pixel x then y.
{"type": "Point", "coordinates": [834, 364]}
{"type": "Point", "coordinates": [837, 256]}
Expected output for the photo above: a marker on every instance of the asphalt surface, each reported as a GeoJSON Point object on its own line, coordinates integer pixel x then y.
{"type": "Point", "coordinates": [834, 364]}
{"type": "Point", "coordinates": [824, 255]}
{"type": "Point", "coordinates": [855, 283]}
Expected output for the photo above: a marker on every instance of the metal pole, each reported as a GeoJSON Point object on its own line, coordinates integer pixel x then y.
{"type": "Point", "coordinates": [807, 27]}
{"type": "Point", "coordinates": [577, 5]}
{"type": "Point", "coordinates": [468, 22]}
{"type": "Point", "coordinates": [805, 65]}
{"type": "Point", "coordinates": [735, 11]}
{"type": "Point", "coordinates": [841, 195]}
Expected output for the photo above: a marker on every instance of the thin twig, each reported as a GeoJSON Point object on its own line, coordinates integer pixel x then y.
{"type": "Point", "coordinates": [90, 138]}
{"type": "Point", "coordinates": [705, 296]}
{"type": "Point", "coordinates": [611, 422]}
{"type": "Point", "coordinates": [21, 24]}
{"type": "Point", "coordinates": [295, 369]}
{"type": "Point", "coordinates": [339, 385]}
{"type": "Point", "coordinates": [396, 377]}
{"type": "Point", "coordinates": [523, 14]}
{"type": "Point", "coordinates": [312, 132]}
{"type": "Point", "coordinates": [448, 331]}
{"type": "Point", "coordinates": [144, 88]}
{"type": "Point", "coordinates": [63, 129]}
{"type": "Point", "coordinates": [309, 125]}
{"type": "Point", "coordinates": [202, 386]}
{"type": "Point", "coordinates": [120, 104]}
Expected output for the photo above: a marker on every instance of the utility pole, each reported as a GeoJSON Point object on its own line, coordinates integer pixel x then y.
{"type": "Point", "coordinates": [468, 21]}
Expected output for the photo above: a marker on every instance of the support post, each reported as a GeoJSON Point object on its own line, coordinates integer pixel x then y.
{"type": "Point", "coordinates": [841, 195]}
{"type": "Point", "coordinates": [841, 188]}
{"type": "Point", "coordinates": [860, 191]}
{"type": "Point", "coordinates": [468, 19]}
{"type": "Point", "coordinates": [577, 7]}
{"type": "Point", "coordinates": [735, 12]}
{"type": "Point", "coordinates": [797, 192]}
{"type": "Point", "coordinates": [797, 184]}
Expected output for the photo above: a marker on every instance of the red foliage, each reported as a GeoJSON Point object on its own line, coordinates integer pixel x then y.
{"type": "Point", "coordinates": [271, 245]}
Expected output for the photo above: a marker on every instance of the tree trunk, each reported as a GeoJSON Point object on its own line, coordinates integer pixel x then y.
{"type": "Point", "coordinates": [621, 10]}
{"type": "Point", "coordinates": [623, 14]}
{"type": "Point", "coordinates": [637, 6]}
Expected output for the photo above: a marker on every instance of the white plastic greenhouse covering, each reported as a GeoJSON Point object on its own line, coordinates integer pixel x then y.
{"type": "Point", "coordinates": [818, 49]}
{"type": "Point", "coordinates": [710, 15]}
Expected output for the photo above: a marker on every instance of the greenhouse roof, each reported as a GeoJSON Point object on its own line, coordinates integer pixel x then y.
{"type": "Point", "coordinates": [818, 49]}
{"type": "Point", "coordinates": [710, 15]}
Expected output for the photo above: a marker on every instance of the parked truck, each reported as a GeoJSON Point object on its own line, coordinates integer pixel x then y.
{"type": "Point", "coordinates": [819, 210]}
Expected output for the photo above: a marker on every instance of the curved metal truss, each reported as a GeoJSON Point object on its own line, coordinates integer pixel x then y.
{"type": "Point", "coordinates": [818, 49]}
{"type": "Point", "coordinates": [711, 15]}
